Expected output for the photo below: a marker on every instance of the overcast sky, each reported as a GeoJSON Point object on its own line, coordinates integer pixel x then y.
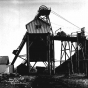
{"type": "Point", "coordinates": [15, 14]}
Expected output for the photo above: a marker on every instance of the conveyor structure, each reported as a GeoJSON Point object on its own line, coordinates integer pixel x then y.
{"type": "Point", "coordinates": [39, 40]}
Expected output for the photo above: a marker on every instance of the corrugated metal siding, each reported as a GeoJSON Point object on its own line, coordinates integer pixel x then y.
{"type": "Point", "coordinates": [31, 27]}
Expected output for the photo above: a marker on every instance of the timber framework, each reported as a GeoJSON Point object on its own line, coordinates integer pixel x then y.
{"type": "Point", "coordinates": [39, 40]}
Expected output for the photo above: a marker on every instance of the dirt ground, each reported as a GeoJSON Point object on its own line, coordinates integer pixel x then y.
{"type": "Point", "coordinates": [45, 81]}
{"type": "Point", "coordinates": [76, 83]}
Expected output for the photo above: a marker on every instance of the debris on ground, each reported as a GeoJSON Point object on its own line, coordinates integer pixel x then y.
{"type": "Point", "coordinates": [43, 81]}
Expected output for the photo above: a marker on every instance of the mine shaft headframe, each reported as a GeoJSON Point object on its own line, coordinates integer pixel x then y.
{"type": "Point", "coordinates": [43, 13]}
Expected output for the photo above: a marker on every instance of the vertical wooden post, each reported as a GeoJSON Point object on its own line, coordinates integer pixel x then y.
{"type": "Point", "coordinates": [53, 62]}
{"type": "Point", "coordinates": [65, 49]}
{"type": "Point", "coordinates": [69, 70]}
{"type": "Point", "coordinates": [71, 58]}
{"type": "Point", "coordinates": [86, 62]}
{"type": "Point", "coordinates": [77, 53]}
{"type": "Point", "coordinates": [49, 55]}
{"type": "Point", "coordinates": [77, 56]}
{"type": "Point", "coordinates": [28, 53]}
{"type": "Point", "coordinates": [49, 61]}
{"type": "Point", "coordinates": [61, 52]}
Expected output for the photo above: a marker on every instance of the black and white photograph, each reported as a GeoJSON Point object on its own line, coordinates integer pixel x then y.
{"type": "Point", "coordinates": [43, 43]}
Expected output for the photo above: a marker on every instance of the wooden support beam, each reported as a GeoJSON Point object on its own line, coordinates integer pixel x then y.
{"type": "Point", "coordinates": [61, 53]}
{"type": "Point", "coordinates": [28, 53]}
{"type": "Point", "coordinates": [49, 61]}
{"type": "Point", "coordinates": [53, 58]}
{"type": "Point", "coordinates": [20, 48]}
{"type": "Point", "coordinates": [71, 59]}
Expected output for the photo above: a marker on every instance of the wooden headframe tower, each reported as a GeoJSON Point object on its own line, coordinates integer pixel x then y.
{"type": "Point", "coordinates": [40, 45]}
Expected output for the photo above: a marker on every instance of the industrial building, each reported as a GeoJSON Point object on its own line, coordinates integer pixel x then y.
{"type": "Point", "coordinates": [39, 40]}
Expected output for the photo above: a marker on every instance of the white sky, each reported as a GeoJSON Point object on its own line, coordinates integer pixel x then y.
{"type": "Point", "coordinates": [15, 14]}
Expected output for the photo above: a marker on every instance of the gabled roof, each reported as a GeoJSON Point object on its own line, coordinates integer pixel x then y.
{"type": "Point", "coordinates": [38, 26]}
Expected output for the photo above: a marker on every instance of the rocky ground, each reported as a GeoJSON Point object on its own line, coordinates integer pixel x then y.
{"type": "Point", "coordinates": [76, 81]}
{"type": "Point", "coordinates": [44, 81]}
